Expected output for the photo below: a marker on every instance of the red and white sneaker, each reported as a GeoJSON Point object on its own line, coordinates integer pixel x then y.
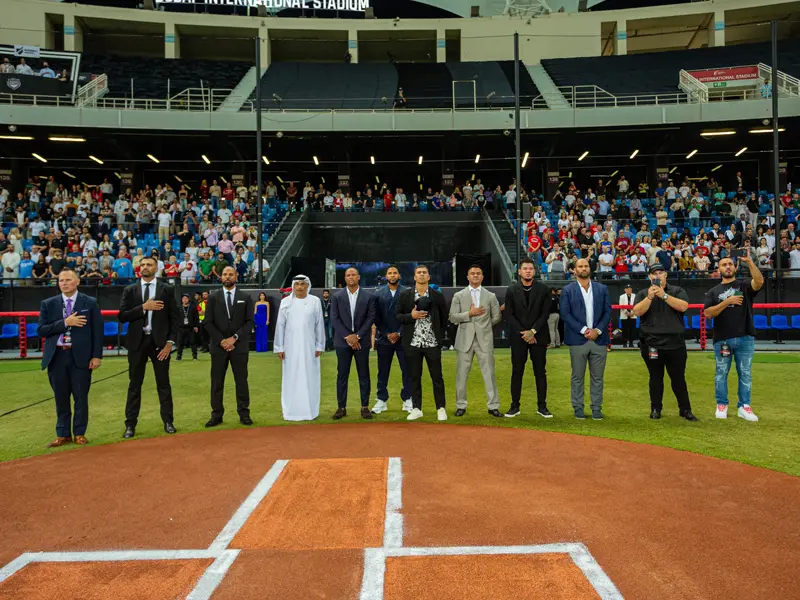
{"type": "Point", "coordinates": [722, 411]}
{"type": "Point", "coordinates": [746, 413]}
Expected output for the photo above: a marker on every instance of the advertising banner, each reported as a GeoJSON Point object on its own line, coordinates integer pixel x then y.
{"type": "Point", "coordinates": [727, 77]}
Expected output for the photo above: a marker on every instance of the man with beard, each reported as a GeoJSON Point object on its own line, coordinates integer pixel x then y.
{"type": "Point", "coordinates": [229, 320]}
{"type": "Point", "coordinates": [527, 310]}
{"type": "Point", "coordinates": [586, 311]}
{"type": "Point", "coordinates": [387, 341]}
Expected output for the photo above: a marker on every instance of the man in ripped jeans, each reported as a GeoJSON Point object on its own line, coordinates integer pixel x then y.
{"type": "Point", "coordinates": [731, 305]}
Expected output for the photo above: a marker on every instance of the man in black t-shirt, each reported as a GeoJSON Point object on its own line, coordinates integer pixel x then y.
{"type": "Point", "coordinates": [660, 309]}
{"type": "Point", "coordinates": [730, 304]}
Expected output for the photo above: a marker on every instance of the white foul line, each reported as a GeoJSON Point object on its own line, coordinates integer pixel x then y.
{"type": "Point", "coordinates": [601, 582]}
{"type": "Point", "coordinates": [247, 507]}
{"type": "Point", "coordinates": [393, 523]}
{"type": "Point", "coordinates": [15, 565]}
{"type": "Point", "coordinates": [213, 576]}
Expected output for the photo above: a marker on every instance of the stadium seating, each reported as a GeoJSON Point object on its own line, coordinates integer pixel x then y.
{"type": "Point", "coordinates": [795, 321]}
{"type": "Point", "coordinates": [760, 322]}
{"type": "Point", "coordinates": [657, 72]}
{"type": "Point", "coordinates": [150, 75]}
{"type": "Point", "coordinates": [10, 331]}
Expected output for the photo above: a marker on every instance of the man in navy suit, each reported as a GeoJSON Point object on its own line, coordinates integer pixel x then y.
{"type": "Point", "coordinates": [387, 341]}
{"type": "Point", "coordinates": [586, 311]}
{"type": "Point", "coordinates": [72, 328]}
{"type": "Point", "coordinates": [352, 316]}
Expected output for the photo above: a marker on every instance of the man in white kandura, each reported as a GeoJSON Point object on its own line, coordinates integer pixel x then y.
{"type": "Point", "coordinates": [299, 342]}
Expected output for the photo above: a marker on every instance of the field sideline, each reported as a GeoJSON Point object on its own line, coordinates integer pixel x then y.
{"type": "Point", "coordinates": [773, 443]}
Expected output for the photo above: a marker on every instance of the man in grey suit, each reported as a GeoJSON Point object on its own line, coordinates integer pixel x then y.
{"type": "Point", "coordinates": [476, 311]}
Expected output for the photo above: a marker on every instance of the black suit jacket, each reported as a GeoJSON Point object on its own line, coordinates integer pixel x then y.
{"type": "Point", "coordinates": [439, 314]}
{"type": "Point", "coordinates": [240, 324]}
{"type": "Point", "coordinates": [165, 321]}
{"type": "Point", "coordinates": [523, 315]}
{"type": "Point", "coordinates": [344, 325]}
{"type": "Point", "coordinates": [87, 341]}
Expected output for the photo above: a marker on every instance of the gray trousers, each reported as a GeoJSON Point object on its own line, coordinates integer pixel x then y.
{"type": "Point", "coordinates": [552, 324]}
{"type": "Point", "coordinates": [463, 367]}
{"type": "Point", "coordinates": [596, 355]}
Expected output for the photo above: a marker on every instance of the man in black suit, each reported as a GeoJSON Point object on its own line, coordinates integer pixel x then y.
{"type": "Point", "coordinates": [72, 328]}
{"type": "Point", "coordinates": [150, 308]}
{"type": "Point", "coordinates": [422, 311]}
{"type": "Point", "coordinates": [352, 316]}
{"type": "Point", "coordinates": [229, 319]}
{"type": "Point", "coordinates": [527, 310]}
{"type": "Point", "coordinates": [188, 329]}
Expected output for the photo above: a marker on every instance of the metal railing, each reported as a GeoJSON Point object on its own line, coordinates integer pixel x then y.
{"type": "Point", "coordinates": [788, 85]}
{"type": "Point", "coordinates": [96, 88]}
{"type": "Point", "coordinates": [692, 86]}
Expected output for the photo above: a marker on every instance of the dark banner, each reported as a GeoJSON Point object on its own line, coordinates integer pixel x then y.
{"type": "Point", "coordinates": [12, 83]}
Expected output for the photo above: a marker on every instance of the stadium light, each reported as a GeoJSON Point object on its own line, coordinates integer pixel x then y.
{"type": "Point", "coordinates": [205, 158]}
{"type": "Point", "coordinates": [584, 155]}
{"type": "Point", "coordinates": [742, 151]}
{"type": "Point", "coordinates": [323, 179]}
{"type": "Point", "coordinates": [279, 179]}
{"type": "Point", "coordinates": [153, 158]}
{"type": "Point", "coordinates": [525, 159]}
{"type": "Point", "coordinates": [419, 177]}
{"type": "Point", "coordinates": [97, 160]}
{"type": "Point", "coordinates": [715, 133]}
{"type": "Point", "coordinates": [780, 129]}
{"type": "Point", "coordinates": [16, 137]}
{"type": "Point", "coordinates": [225, 181]}
{"type": "Point", "coordinates": [265, 159]}
{"type": "Point", "coordinates": [377, 179]}
{"type": "Point", "coordinates": [55, 138]}
{"type": "Point", "coordinates": [372, 159]}
{"type": "Point", "coordinates": [316, 161]}
{"type": "Point", "coordinates": [635, 152]}
{"type": "Point", "coordinates": [614, 173]}
{"type": "Point", "coordinates": [69, 174]}
{"type": "Point", "coordinates": [477, 158]}
{"type": "Point", "coordinates": [419, 162]}
{"type": "Point", "coordinates": [716, 168]}
{"type": "Point", "coordinates": [178, 179]}
{"type": "Point", "coordinates": [673, 169]}
{"type": "Point", "coordinates": [692, 153]}
{"type": "Point", "coordinates": [118, 175]}
{"type": "Point", "coordinates": [36, 156]}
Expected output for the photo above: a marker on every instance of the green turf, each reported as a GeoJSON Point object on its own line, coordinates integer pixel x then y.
{"type": "Point", "coordinates": [773, 443]}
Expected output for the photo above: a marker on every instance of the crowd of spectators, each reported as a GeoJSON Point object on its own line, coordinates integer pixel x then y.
{"type": "Point", "coordinates": [687, 229]}
{"type": "Point", "coordinates": [103, 235]}
{"type": "Point", "coordinates": [23, 68]}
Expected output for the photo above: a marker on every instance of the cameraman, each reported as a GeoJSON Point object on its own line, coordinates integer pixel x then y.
{"type": "Point", "coordinates": [556, 262]}
{"type": "Point", "coordinates": [731, 305]}
{"type": "Point", "coordinates": [661, 308]}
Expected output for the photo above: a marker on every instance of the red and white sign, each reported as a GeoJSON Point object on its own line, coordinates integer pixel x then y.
{"type": "Point", "coordinates": [732, 74]}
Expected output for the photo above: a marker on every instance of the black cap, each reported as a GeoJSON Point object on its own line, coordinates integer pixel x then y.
{"type": "Point", "coordinates": [628, 285]}
{"type": "Point", "coordinates": [186, 296]}
{"type": "Point", "coordinates": [657, 267]}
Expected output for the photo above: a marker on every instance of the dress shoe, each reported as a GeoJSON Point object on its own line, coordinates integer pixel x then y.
{"type": "Point", "coordinates": [213, 422]}
{"type": "Point", "coordinates": [129, 432]}
{"type": "Point", "coordinates": [460, 412]}
{"type": "Point", "coordinates": [340, 412]}
{"type": "Point", "coordinates": [246, 421]}
{"type": "Point", "coordinates": [689, 416]}
{"type": "Point", "coordinates": [365, 414]}
{"type": "Point", "coordinates": [495, 413]}
{"type": "Point", "coordinates": [169, 427]}
{"type": "Point", "coordinates": [655, 414]}
{"type": "Point", "coordinates": [59, 441]}
{"type": "Point", "coordinates": [81, 440]}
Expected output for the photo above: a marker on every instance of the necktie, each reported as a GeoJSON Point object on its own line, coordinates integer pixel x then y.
{"type": "Point", "coordinates": [230, 305]}
{"type": "Point", "coordinates": [147, 312]}
{"type": "Point", "coordinates": [66, 337]}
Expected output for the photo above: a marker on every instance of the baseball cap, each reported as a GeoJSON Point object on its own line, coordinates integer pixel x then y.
{"type": "Point", "coordinates": [657, 267]}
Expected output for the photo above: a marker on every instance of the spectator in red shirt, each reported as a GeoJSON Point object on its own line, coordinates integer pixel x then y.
{"type": "Point", "coordinates": [228, 193]}
{"type": "Point", "coordinates": [534, 242]}
{"type": "Point", "coordinates": [623, 245]}
{"type": "Point", "coordinates": [388, 200]}
{"type": "Point", "coordinates": [621, 264]}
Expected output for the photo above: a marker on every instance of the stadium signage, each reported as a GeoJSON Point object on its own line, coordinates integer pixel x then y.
{"type": "Point", "coordinates": [344, 5]}
{"type": "Point", "coordinates": [737, 75]}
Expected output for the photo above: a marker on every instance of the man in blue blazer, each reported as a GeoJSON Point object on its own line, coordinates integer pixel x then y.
{"type": "Point", "coordinates": [352, 316]}
{"type": "Point", "coordinates": [387, 341]}
{"type": "Point", "coordinates": [586, 311]}
{"type": "Point", "coordinates": [72, 328]}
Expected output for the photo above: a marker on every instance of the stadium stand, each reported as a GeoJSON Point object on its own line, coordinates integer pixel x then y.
{"type": "Point", "coordinates": [657, 72]}
{"type": "Point", "coordinates": [157, 78]}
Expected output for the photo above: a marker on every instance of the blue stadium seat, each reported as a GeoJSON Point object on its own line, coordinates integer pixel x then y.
{"type": "Point", "coordinates": [9, 331]}
{"type": "Point", "coordinates": [32, 330]}
{"type": "Point", "coordinates": [760, 323]}
{"type": "Point", "coordinates": [124, 331]}
{"type": "Point", "coordinates": [696, 322]}
{"type": "Point", "coordinates": [110, 328]}
{"type": "Point", "coordinates": [686, 322]}
{"type": "Point", "coordinates": [779, 323]}
{"type": "Point", "coordinates": [795, 321]}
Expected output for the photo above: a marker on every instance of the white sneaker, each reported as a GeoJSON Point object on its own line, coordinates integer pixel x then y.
{"type": "Point", "coordinates": [414, 414]}
{"type": "Point", "coordinates": [722, 411]}
{"type": "Point", "coordinates": [380, 406]}
{"type": "Point", "coordinates": [408, 406]}
{"type": "Point", "coordinates": [441, 414]}
{"type": "Point", "coordinates": [746, 413]}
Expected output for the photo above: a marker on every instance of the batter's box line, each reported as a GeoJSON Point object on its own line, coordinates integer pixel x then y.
{"type": "Point", "coordinates": [372, 584]}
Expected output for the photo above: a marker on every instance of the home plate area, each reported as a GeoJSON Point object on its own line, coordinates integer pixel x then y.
{"type": "Point", "coordinates": [314, 518]}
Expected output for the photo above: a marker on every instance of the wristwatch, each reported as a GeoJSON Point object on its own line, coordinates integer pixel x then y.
{"type": "Point", "coordinates": [666, 295]}
{"type": "Point", "coordinates": [170, 342]}
{"type": "Point", "coordinates": [236, 336]}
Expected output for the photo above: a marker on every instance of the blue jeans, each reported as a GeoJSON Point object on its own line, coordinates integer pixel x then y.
{"type": "Point", "coordinates": [742, 350]}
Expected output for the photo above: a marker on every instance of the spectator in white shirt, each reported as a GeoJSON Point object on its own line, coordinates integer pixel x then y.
{"type": "Point", "coordinates": [23, 68]}
{"type": "Point", "coordinates": [187, 269]}
{"type": "Point", "coordinates": [241, 191]}
{"type": "Point", "coordinates": [684, 190]}
{"type": "Point", "coordinates": [107, 189]}
{"type": "Point", "coordinates": [327, 201]}
{"type": "Point", "coordinates": [6, 67]}
{"type": "Point", "coordinates": [511, 199]}
{"type": "Point", "coordinates": [400, 200]}
{"type": "Point", "coordinates": [606, 261]}
{"type": "Point", "coordinates": [164, 221]}
{"type": "Point", "coordinates": [672, 192]}
{"type": "Point", "coordinates": [224, 213]}
{"type": "Point", "coordinates": [623, 186]}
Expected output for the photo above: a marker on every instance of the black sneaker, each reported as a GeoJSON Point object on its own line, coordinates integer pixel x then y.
{"type": "Point", "coordinates": [655, 414]}
{"type": "Point", "coordinates": [513, 411]}
{"type": "Point", "coordinates": [597, 414]}
{"type": "Point", "coordinates": [543, 412]}
{"type": "Point", "coordinates": [579, 414]}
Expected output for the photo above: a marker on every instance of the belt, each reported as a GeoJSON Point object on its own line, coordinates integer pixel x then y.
{"type": "Point", "coordinates": [64, 347]}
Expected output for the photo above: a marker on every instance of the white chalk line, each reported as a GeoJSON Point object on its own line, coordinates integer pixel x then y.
{"type": "Point", "coordinates": [393, 523]}
{"type": "Point", "coordinates": [213, 576]}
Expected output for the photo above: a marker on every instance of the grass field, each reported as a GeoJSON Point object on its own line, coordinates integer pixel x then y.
{"type": "Point", "coordinates": [773, 443]}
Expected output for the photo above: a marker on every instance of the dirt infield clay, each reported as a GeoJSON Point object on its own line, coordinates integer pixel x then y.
{"type": "Point", "coordinates": [661, 523]}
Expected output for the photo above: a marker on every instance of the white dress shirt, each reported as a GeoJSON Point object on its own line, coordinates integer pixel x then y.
{"type": "Point", "coordinates": [475, 294]}
{"type": "Point", "coordinates": [149, 326]}
{"type": "Point", "coordinates": [588, 300]}
{"type": "Point", "coordinates": [353, 298]}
